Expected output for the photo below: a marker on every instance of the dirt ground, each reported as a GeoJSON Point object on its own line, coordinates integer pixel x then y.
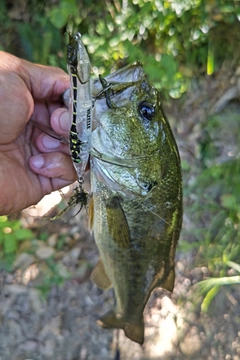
{"type": "Point", "coordinates": [62, 325]}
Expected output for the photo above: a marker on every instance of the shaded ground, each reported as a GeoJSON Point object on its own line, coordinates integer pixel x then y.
{"type": "Point", "coordinates": [63, 326]}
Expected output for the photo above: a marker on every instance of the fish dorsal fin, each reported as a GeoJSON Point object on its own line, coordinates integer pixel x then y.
{"type": "Point", "coordinates": [100, 277]}
{"type": "Point", "coordinates": [90, 214]}
{"type": "Point", "coordinates": [117, 223]}
{"type": "Point", "coordinates": [168, 283]}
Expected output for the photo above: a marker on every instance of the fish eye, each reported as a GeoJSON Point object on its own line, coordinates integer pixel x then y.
{"type": "Point", "coordinates": [146, 110]}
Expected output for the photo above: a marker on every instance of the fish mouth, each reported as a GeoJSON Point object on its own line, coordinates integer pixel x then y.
{"type": "Point", "coordinates": [113, 160]}
{"type": "Point", "coordinates": [115, 92]}
{"type": "Point", "coordinates": [129, 74]}
{"type": "Point", "coordinates": [105, 176]}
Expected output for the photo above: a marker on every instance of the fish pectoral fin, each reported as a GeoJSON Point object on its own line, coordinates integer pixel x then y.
{"type": "Point", "coordinates": [168, 283]}
{"type": "Point", "coordinates": [117, 223]}
{"type": "Point", "coordinates": [134, 331]}
{"type": "Point", "coordinates": [100, 277]}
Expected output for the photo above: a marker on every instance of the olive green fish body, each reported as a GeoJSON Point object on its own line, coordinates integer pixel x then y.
{"type": "Point", "coordinates": [137, 197]}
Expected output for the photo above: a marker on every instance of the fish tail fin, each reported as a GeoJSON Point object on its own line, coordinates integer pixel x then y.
{"type": "Point", "coordinates": [134, 331]}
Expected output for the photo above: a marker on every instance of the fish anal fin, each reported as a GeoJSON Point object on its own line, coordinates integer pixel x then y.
{"type": "Point", "coordinates": [117, 223]}
{"type": "Point", "coordinates": [134, 331]}
{"type": "Point", "coordinates": [100, 277]}
{"type": "Point", "coordinates": [168, 283]}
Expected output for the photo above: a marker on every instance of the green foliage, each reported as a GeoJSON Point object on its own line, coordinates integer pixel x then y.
{"type": "Point", "coordinates": [216, 212]}
{"type": "Point", "coordinates": [212, 286]}
{"type": "Point", "coordinates": [11, 234]}
{"type": "Point", "coordinates": [214, 205]}
{"type": "Point", "coordinates": [175, 40]}
{"type": "Point", "coordinates": [54, 274]}
{"type": "Point", "coordinates": [43, 236]}
{"type": "Point", "coordinates": [58, 14]}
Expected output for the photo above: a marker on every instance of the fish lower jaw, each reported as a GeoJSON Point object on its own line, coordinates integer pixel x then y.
{"type": "Point", "coordinates": [134, 331]}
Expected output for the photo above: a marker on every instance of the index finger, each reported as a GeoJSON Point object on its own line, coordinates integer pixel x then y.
{"type": "Point", "coordinates": [45, 82]}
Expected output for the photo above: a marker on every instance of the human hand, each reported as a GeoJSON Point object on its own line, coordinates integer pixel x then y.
{"type": "Point", "coordinates": [32, 164]}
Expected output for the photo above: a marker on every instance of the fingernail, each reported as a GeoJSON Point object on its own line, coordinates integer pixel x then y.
{"type": "Point", "coordinates": [64, 121]}
{"type": "Point", "coordinates": [49, 142]}
{"type": "Point", "coordinates": [37, 161]}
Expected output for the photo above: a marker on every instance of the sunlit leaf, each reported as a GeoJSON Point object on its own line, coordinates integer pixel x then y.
{"type": "Point", "coordinates": [208, 298]}
{"type": "Point", "coordinates": [206, 285]}
{"type": "Point", "coordinates": [233, 265]}
{"type": "Point", "coordinates": [210, 60]}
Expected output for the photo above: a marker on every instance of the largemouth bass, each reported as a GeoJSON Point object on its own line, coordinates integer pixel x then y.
{"type": "Point", "coordinates": [136, 206]}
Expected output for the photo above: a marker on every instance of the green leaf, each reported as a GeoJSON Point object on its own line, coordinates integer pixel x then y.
{"type": "Point", "coordinates": [229, 201]}
{"type": "Point", "coordinates": [3, 219]}
{"type": "Point", "coordinates": [209, 297]}
{"type": "Point", "coordinates": [58, 17]}
{"type": "Point", "coordinates": [23, 234]}
{"type": "Point", "coordinates": [233, 265]}
{"type": "Point", "coordinates": [212, 287]}
{"type": "Point", "coordinates": [10, 243]}
{"type": "Point", "coordinates": [210, 60]}
{"type": "Point", "coordinates": [205, 285]}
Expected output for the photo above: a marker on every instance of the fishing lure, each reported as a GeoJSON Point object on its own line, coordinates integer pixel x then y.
{"type": "Point", "coordinates": [80, 108]}
{"type": "Point", "coordinates": [80, 104]}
